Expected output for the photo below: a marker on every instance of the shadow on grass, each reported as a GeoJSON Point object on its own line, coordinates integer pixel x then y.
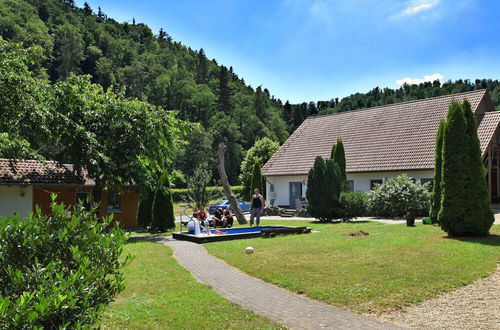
{"type": "Point", "coordinates": [317, 222]}
{"type": "Point", "coordinates": [152, 239]}
{"type": "Point", "coordinates": [491, 239]}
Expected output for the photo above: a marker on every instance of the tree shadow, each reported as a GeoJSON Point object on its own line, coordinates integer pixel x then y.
{"type": "Point", "coordinates": [492, 239]}
{"type": "Point", "coordinates": [152, 239]}
{"type": "Point", "coordinates": [317, 222]}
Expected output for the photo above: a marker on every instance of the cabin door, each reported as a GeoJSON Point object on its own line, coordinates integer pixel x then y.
{"type": "Point", "coordinates": [295, 192]}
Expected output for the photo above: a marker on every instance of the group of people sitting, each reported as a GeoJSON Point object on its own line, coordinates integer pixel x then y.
{"type": "Point", "coordinates": [221, 218]}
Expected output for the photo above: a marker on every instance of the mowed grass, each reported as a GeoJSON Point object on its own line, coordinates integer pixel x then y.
{"type": "Point", "coordinates": [393, 266]}
{"type": "Point", "coordinates": [160, 294]}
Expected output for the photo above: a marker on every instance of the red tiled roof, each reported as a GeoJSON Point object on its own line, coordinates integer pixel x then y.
{"type": "Point", "coordinates": [387, 138]}
{"type": "Point", "coordinates": [39, 172]}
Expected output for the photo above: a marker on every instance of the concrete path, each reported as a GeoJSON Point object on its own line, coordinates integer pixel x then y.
{"type": "Point", "coordinates": [292, 310]}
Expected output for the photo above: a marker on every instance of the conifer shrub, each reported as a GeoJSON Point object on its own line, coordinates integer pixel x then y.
{"type": "Point", "coordinates": [323, 190]}
{"type": "Point", "coordinates": [256, 177]}
{"type": "Point", "coordinates": [144, 211]}
{"type": "Point", "coordinates": [338, 156]}
{"type": "Point", "coordinates": [397, 196]}
{"type": "Point", "coordinates": [480, 214]}
{"type": "Point", "coordinates": [455, 171]}
{"type": "Point", "coordinates": [163, 207]}
{"type": "Point", "coordinates": [465, 206]}
{"type": "Point", "coordinates": [59, 271]}
{"type": "Point", "coordinates": [438, 164]}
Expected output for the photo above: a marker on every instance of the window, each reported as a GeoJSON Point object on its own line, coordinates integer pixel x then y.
{"type": "Point", "coordinates": [425, 180]}
{"type": "Point", "coordinates": [374, 182]}
{"type": "Point", "coordinates": [350, 185]}
{"type": "Point", "coordinates": [114, 201]}
{"type": "Point", "coordinates": [84, 198]}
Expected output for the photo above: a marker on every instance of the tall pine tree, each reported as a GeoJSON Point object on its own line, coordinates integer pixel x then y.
{"type": "Point", "coordinates": [438, 164]}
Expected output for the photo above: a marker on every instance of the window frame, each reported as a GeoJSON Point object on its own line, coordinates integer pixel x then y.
{"type": "Point", "coordinates": [348, 187]}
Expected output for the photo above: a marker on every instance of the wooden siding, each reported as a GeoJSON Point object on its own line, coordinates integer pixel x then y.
{"type": "Point", "coordinates": [67, 195]}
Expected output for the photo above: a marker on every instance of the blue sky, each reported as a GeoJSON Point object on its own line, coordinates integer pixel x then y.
{"type": "Point", "coordinates": [309, 50]}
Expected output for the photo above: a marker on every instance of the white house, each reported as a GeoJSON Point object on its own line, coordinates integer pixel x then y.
{"type": "Point", "coordinates": [379, 142]}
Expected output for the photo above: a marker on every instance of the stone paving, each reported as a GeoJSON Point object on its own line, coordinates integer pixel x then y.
{"type": "Point", "coordinates": [292, 310]}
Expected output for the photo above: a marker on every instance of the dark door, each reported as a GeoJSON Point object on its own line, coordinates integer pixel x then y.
{"type": "Point", "coordinates": [295, 192]}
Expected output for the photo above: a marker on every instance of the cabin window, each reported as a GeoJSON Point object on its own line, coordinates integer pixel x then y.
{"type": "Point", "coordinates": [84, 198]}
{"type": "Point", "coordinates": [114, 201]}
{"type": "Point", "coordinates": [425, 180]}
{"type": "Point", "coordinates": [373, 183]}
{"type": "Point", "coordinates": [350, 185]}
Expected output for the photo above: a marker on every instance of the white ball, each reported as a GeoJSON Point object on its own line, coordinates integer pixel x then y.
{"type": "Point", "coordinates": [249, 250]}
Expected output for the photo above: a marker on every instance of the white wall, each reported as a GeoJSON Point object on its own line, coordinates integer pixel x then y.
{"type": "Point", "coordinates": [361, 183]}
{"type": "Point", "coordinates": [362, 180]}
{"type": "Point", "coordinates": [11, 201]}
{"type": "Point", "coordinates": [282, 188]}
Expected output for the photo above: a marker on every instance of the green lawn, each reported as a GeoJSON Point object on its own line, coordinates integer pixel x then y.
{"type": "Point", "coordinates": [162, 294]}
{"type": "Point", "coordinates": [393, 266]}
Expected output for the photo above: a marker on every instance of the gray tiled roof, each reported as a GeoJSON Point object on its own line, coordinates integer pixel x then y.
{"type": "Point", "coordinates": [387, 138]}
{"type": "Point", "coordinates": [39, 172]}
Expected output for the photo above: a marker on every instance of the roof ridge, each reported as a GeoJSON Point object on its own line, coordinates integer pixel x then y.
{"type": "Point", "coordinates": [399, 103]}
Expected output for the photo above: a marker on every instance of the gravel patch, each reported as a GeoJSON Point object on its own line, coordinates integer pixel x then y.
{"type": "Point", "coordinates": [475, 306]}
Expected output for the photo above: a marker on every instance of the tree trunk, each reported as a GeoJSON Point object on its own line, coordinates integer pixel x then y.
{"type": "Point", "coordinates": [227, 188]}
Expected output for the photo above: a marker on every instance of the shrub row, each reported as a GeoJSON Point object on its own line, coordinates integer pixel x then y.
{"type": "Point", "coordinates": [180, 194]}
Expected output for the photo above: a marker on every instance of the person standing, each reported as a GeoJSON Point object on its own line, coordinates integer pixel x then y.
{"type": "Point", "coordinates": [256, 207]}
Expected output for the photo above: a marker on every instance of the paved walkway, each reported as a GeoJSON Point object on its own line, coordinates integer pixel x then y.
{"type": "Point", "coordinates": [292, 310]}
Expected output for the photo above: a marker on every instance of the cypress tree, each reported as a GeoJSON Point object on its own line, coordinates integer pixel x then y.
{"type": "Point", "coordinates": [144, 215]}
{"type": "Point", "coordinates": [256, 177]}
{"type": "Point", "coordinates": [332, 153]}
{"type": "Point", "coordinates": [332, 188]}
{"type": "Point", "coordinates": [339, 157]}
{"type": "Point", "coordinates": [163, 207]}
{"type": "Point", "coordinates": [323, 189]}
{"type": "Point", "coordinates": [315, 188]}
{"type": "Point", "coordinates": [455, 172]}
{"type": "Point", "coordinates": [438, 163]}
{"type": "Point", "coordinates": [480, 216]}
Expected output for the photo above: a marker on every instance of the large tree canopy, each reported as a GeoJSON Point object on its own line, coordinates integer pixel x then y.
{"type": "Point", "coordinates": [114, 139]}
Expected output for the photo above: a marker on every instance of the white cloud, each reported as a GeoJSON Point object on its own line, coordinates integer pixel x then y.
{"type": "Point", "coordinates": [416, 81]}
{"type": "Point", "coordinates": [416, 6]}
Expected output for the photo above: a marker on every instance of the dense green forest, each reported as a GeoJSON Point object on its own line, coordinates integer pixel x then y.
{"type": "Point", "coordinates": [294, 114]}
{"type": "Point", "coordinates": [71, 47]}
{"type": "Point", "coordinates": [129, 58]}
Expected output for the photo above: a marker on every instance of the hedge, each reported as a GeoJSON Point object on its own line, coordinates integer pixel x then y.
{"type": "Point", "coordinates": [179, 194]}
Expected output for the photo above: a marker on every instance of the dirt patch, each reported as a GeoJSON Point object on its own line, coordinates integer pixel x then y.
{"type": "Point", "coordinates": [357, 233]}
{"type": "Point", "coordinates": [475, 306]}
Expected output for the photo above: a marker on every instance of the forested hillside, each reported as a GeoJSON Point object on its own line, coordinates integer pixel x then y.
{"type": "Point", "coordinates": [129, 58]}
{"type": "Point", "coordinates": [296, 113]}
{"type": "Point", "coordinates": [132, 62]}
